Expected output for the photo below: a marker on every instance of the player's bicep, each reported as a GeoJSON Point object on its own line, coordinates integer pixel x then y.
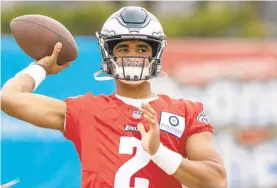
{"type": "Point", "coordinates": [38, 110]}
{"type": "Point", "coordinates": [199, 147]}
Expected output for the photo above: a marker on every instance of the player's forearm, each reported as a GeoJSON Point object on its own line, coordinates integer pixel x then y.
{"type": "Point", "coordinates": [19, 83]}
{"type": "Point", "coordinates": [201, 174]}
{"type": "Point", "coordinates": [12, 90]}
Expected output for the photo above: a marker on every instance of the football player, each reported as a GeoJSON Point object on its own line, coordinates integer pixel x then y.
{"type": "Point", "coordinates": [133, 137]}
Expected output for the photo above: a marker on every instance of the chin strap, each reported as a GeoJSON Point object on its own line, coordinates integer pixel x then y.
{"type": "Point", "coordinates": [162, 76]}
{"type": "Point", "coordinates": [101, 78]}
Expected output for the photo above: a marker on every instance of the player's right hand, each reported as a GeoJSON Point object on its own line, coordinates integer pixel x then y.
{"type": "Point", "coordinates": [50, 62]}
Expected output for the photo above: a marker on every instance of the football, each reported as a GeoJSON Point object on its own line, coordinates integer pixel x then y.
{"type": "Point", "coordinates": [37, 35]}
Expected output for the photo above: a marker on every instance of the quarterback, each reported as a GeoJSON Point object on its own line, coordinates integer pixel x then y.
{"type": "Point", "coordinates": [133, 137]}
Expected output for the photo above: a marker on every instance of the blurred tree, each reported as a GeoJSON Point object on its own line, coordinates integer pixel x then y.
{"type": "Point", "coordinates": [84, 18]}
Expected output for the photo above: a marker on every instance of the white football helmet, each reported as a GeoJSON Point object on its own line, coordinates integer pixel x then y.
{"type": "Point", "coordinates": [131, 23]}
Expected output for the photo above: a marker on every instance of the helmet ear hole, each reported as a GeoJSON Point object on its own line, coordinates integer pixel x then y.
{"type": "Point", "coordinates": [110, 67]}
{"type": "Point", "coordinates": [155, 68]}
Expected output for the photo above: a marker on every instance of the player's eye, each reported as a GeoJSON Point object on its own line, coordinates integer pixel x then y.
{"type": "Point", "coordinates": [142, 50]}
{"type": "Point", "coordinates": [123, 50]}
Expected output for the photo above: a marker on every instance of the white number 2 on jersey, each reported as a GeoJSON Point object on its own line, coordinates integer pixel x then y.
{"type": "Point", "coordinates": [140, 160]}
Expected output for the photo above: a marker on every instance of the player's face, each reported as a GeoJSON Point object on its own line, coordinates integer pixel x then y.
{"type": "Point", "coordinates": [135, 53]}
{"type": "Point", "coordinates": [133, 48]}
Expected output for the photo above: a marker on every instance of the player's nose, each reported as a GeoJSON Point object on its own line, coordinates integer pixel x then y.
{"type": "Point", "coordinates": [133, 62]}
{"type": "Point", "coordinates": [133, 52]}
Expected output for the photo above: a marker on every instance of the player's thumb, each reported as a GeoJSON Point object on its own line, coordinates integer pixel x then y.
{"type": "Point", "coordinates": [141, 128]}
{"type": "Point", "coordinates": [56, 51]}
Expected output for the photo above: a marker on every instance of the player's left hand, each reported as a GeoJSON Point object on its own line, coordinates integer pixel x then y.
{"type": "Point", "coordinates": [150, 140]}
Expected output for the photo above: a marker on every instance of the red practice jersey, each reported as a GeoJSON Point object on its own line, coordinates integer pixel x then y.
{"type": "Point", "coordinates": [104, 132]}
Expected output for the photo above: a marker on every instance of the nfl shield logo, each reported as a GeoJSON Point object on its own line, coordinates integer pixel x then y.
{"type": "Point", "coordinates": [136, 114]}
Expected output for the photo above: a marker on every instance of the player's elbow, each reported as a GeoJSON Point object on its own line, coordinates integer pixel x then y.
{"type": "Point", "coordinates": [220, 183]}
{"type": "Point", "coordinates": [223, 177]}
{"type": "Point", "coordinates": [5, 98]}
{"type": "Point", "coordinates": [217, 181]}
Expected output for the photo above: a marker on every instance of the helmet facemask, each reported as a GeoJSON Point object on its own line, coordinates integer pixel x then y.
{"type": "Point", "coordinates": [130, 68]}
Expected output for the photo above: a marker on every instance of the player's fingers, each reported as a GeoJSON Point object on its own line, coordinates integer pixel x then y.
{"type": "Point", "coordinates": [151, 121]}
{"type": "Point", "coordinates": [148, 107]}
{"type": "Point", "coordinates": [64, 65]}
{"type": "Point", "coordinates": [56, 51]}
{"type": "Point", "coordinates": [152, 114]}
{"type": "Point", "coordinates": [146, 112]}
{"type": "Point", "coordinates": [141, 128]}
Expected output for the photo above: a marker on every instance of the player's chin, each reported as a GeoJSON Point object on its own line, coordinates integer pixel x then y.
{"type": "Point", "coordinates": [133, 83]}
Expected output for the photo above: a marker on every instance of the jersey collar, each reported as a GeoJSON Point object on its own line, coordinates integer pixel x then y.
{"type": "Point", "coordinates": [135, 102]}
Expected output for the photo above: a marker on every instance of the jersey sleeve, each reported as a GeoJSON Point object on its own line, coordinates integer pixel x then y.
{"type": "Point", "coordinates": [197, 119]}
{"type": "Point", "coordinates": [74, 106]}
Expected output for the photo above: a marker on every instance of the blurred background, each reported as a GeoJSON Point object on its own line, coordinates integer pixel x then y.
{"type": "Point", "coordinates": [223, 54]}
